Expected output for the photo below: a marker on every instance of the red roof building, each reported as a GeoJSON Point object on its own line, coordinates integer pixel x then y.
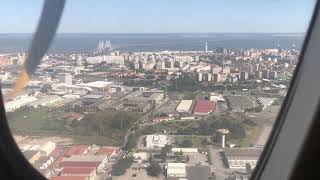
{"type": "Point", "coordinates": [56, 152]}
{"type": "Point", "coordinates": [69, 178]}
{"type": "Point", "coordinates": [204, 107]}
{"type": "Point", "coordinates": [77, 170]}
{"type": "Point", "coordinates": [107, 150]}
{"type": "Point", "coordinates": [77, 150]}
{"type": "Point", "coordinates": [80, 171]}
{"type": "Point", "coordinates": [80, 164]}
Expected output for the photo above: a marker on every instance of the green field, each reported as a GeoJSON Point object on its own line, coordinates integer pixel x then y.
{"type": "Point", "coordinates": [285, 77]}
{"type": "Point", "coordinates": [251, 135]}
{"type": "Point", "coordinates": [102, 128]}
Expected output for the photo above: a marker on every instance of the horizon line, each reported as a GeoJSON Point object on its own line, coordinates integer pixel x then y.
{"type": "Point", "coordinates": [161, 33]}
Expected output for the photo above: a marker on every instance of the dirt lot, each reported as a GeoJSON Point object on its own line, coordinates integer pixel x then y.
{"type": "Point", "coordinates": [197, 159]}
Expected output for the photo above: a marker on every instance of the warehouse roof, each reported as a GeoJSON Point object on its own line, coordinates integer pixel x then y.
{"type": "Point", "coordinates": [106, 150]}
{"type": "Point", "coordinates": [45, 99]}
{"type": "Point", "coordinates": [96, 84]}
{"type": "Point", "coordinates": [69, 178]}
{"type": "Point", "coordinates": [93, 158]}
{"type": "Point", "coordinates": [77, 170]}
{"type": "Point", "coordinates": [242, 152]}
{"type": "Point", "coordinates": [94, 96]}
{"type": "Point", "coordinates": [184, 105]}
{"type": "Point", "coordinates": [80, 164]}
{"type": "Point", "coordinates": [76, 150]}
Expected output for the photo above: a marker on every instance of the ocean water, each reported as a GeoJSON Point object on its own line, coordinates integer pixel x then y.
{"type": "Point", "coordinates": [87, 43]}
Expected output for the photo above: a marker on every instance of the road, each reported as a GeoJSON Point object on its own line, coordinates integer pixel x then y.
{"type": "Point", "coordinates": [141, 119]}
{"type": "Point", "coordinates": [217, 166]}
{"type": "Point", "coordinates": [264, 135]}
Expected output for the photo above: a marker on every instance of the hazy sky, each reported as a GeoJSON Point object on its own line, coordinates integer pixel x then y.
{"type": "Point", "coordinates": [163, 16]}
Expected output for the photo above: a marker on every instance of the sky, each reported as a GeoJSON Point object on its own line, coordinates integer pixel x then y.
{"type": "Point", "coordinates": [164, 16]}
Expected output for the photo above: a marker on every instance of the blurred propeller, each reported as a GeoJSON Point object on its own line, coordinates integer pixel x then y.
{"type": "Point", "coordinates": [47, 27]}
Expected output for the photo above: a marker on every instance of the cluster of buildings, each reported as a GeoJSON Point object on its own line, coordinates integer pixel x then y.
{"type": "Point", "coordinates": [96, 82]}
{"type": "Point", "coordinates": [198, 107]}
{"type": "Point", "coordinates": [60, 162]}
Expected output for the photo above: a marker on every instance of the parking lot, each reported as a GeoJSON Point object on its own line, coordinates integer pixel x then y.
{"type": "Point", "coordinates": [197, 159]}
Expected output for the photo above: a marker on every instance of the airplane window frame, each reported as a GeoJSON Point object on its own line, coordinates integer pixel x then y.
{"type": "Point", "coordinates": [297, 115]}
{"type": "Point", "coordinates": [297, 104]}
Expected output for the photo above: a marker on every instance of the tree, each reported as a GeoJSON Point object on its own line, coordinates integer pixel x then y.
{"type": "Point", "coordinates": [164, 152]}
{"type": "Point", "coordinates": [45, 88]}
{"type": "Point", "coordinates": [121, 166]}
{"type": "Point", "coordinates": [186, 143]}
{"type": "Point", "coordinates": [248, 168]}
{"type": "Point", "coordinates": [154, 169]}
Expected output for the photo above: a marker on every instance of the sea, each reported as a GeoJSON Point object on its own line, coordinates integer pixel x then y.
{"type": "Point", "coordinates": [137, 42]}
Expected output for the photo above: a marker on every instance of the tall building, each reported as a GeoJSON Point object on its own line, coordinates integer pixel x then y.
{"type": "Point", "coordinates": [79, 61]}
{"type": "Point", "coordinates": [243, 75]}
{"type": "Point", "coordinates": [216, 77]}
{"type": "Point", "coordinates": [226, 70]}
{"type": "Point", "coordinates": [216, 69]}
{"type": "Point", "coordinates": [273, 75]}
{"type": "Point", "coordinates": [206, 77]}
{"type": "Point", "coordinates": [206, 46]}
{"type": "Point", "coordinates": [258, 74]}
{"type": "Point", "coordinates": [199, 76]}
{"type": "Point", "coordinates": [265, 74]}
{"type": "Point", "coordinates": [68, 79]}
{"type": "Point", "coordinates": [48, 78]}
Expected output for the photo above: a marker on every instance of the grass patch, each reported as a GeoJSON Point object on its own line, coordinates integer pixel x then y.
{"type": "Point", "coordinates": [102, 128]}
{"type": "Point", "coordinates": [252, 132]}
{"type": "Point", "coordinates": [197, 142]}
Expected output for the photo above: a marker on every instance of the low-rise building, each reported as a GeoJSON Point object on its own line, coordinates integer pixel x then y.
{"type": "Point", "coordinates": [45, 101]}
{"type": "Point", "coordinates": [185, 150]}
{"type": "Point", "coordinates": [97, 161]}
{"type": "Point", "coordinates": [184, 106]}
{"type": "Point", "coordinates": [144, 156]}
{"type": "Point", "coordinates": [204, 107]}
{"type": "Point", "coordinates": [79, 171]}
{"type": "Point", "coordinates": [77, 150]}
{"type": "Point", "coordinates": [18, 103]}
{"type": "Point", "coordinates": [156, 141]}
{"type": "Point", "coordinates": [69, 178]}
{"type": "Point", "coordinates": [239, 103]}
{"type": "Point", "coordinates": [176, 170]}
{"type": "Point", "coordinates": [237, 158]}
{"type": "Point", "coordinates": [91, 99]}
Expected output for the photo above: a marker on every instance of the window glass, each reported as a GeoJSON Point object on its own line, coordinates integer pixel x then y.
{"type": "Point", "coordinates": [151, 89]}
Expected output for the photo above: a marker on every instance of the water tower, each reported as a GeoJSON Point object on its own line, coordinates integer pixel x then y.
{"type": "Point", "coordinates": [223, 133]}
